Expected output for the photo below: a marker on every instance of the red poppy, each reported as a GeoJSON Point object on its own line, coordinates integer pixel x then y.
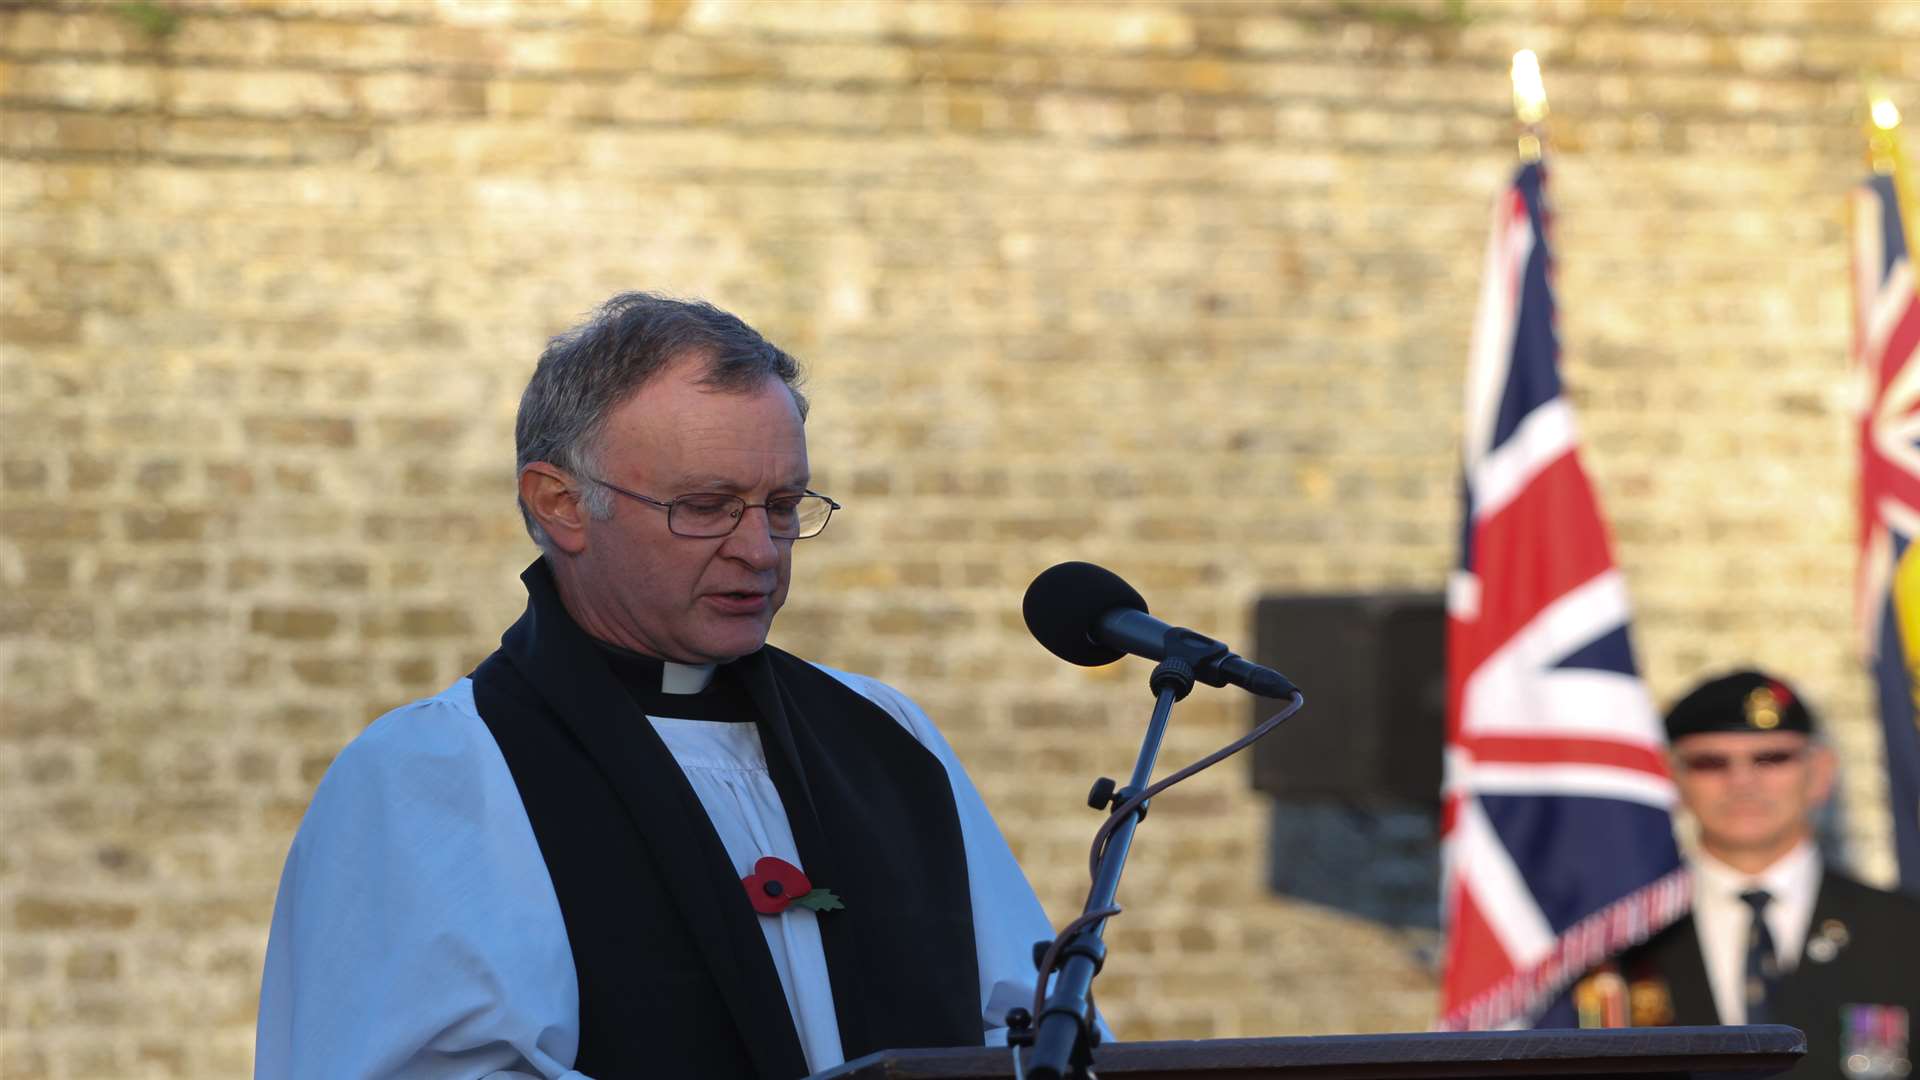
{"type": "Point", "coordinates": [777, 884]}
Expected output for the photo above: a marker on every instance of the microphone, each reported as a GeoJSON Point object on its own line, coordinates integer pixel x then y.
{"type": "Point", "coordinates": [1087, 615]}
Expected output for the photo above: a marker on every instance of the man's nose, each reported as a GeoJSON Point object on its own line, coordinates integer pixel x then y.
{"type": "Point", "coordinates": [751, 540]}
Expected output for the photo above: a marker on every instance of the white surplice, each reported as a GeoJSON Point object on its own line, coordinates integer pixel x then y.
{"type": "Point", "coordinates": [417, 934]}
{"type": "Point", "coordinates": [726, 766]}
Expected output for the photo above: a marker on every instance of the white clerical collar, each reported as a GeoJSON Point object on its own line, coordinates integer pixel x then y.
{"type": "Point", "coordinates": [1797, 873]}
{"type": "Point", "coordinates": [684, 678]}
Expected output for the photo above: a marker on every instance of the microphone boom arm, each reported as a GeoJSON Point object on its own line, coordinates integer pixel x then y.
{"type": "Point", "coordinates": [1064, 1033]}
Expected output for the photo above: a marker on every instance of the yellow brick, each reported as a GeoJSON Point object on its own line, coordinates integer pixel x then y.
{"type": "Point", "coordinates": [1182, 289]}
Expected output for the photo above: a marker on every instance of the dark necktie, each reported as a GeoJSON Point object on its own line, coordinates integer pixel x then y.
{"type": "Point", "coordinates": [1763, 967]}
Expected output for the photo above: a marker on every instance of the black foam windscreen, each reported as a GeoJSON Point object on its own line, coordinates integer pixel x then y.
{"type": "Point", "coordinates": [1065, 602]}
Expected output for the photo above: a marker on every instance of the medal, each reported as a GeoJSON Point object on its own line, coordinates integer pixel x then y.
{"type": "Point", "coordinates": [1823, 946]}
{"type": "Point", "coordinates": [1651, 1002]}
{"type": "Point", "coordinates": [1601, 1000]}
{"type": "Point", "coordinates": [1873, 1042]}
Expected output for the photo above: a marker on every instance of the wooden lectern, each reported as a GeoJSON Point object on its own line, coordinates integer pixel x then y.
{"type": "Point", "coordinates": [1675, 1053]}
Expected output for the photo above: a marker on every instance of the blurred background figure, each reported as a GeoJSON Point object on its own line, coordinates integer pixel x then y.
{"type": "Point", "coordinates": [1775, 935]}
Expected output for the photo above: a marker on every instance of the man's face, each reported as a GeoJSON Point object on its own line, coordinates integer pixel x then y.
{"type": "Point", "coordinates": [692, 601]}
{"type": "Point", "coordinates": [1753, 793]}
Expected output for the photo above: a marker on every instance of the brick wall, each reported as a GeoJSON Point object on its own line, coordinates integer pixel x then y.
{"type": "Point", "coordinates": [1181, 288]}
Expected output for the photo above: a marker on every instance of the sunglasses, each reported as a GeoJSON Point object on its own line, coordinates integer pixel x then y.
{"type": "Point", "coordinates": [1716, 763]}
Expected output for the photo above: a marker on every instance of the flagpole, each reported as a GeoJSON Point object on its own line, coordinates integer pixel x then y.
{"type": "Point", "coordinates": [1529, 104]}
{"type": "Point", "coordinates": [1885, 158]}
{"type": "Point", "coordinates": [1886, 358]}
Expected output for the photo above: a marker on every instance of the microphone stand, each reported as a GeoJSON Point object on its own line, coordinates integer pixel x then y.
{"type": "Point", "coordinates": [1064, 1034]}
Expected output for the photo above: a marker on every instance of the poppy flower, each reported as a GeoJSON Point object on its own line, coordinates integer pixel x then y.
{"type": "Point", "coordinates": [776, 884]}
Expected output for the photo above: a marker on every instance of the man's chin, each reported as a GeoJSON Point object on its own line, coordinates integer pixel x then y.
{"type": "Point", "coordinates": [1753, 842]}
{"type": "Point", "coordinates": [721, 648]}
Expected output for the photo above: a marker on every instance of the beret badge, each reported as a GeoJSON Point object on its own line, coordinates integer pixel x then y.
{"type": "Point", "coordinates": [1739, 702]}
{"type": "Point", "coordinates": [1763, 707]}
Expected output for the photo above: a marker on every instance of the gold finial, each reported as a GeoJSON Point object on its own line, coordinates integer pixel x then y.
{"type": "Point", "coordinates": [1529, 102]}
{"type": "Point", "coordinates": [1883, 140]}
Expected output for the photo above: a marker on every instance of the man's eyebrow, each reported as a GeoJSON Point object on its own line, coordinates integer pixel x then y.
{"type": "Point", "coordinates": [701, 484]}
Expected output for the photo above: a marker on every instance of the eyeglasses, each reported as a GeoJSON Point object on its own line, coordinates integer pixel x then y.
{"type": "Point", "coordinates": [711, 515]}
{"type": "Point", "coordinates": [1765, 760]}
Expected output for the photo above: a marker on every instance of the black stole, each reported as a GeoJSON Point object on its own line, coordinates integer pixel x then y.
{"type": "Point", "coordinates": [674, 974]}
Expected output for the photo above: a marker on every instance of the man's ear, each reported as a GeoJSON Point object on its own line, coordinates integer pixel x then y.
{"type": "Point", "coordinates": [551, 496]}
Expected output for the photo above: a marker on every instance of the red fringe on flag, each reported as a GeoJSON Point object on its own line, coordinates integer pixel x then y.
{"type": "Point", "coordinates": [1600, 936]}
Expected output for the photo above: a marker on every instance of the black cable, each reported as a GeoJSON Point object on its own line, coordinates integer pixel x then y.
{"type": "Point", "coordinates": [1122, 813]}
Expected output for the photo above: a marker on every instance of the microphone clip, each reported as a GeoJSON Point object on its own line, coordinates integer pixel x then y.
{"type": "Point", "coordinates": [1189, 656]}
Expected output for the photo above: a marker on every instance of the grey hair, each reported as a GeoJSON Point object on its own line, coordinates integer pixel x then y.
{"type": "Point", "coordinates": [590, 370]}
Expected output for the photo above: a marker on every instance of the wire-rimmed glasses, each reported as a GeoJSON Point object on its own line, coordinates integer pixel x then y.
{"type": "Point", "coordinates": [709, 515]}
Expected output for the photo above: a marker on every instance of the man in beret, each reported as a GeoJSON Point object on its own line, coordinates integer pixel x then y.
{"type": "Point", "coordinates": [1774, 937]}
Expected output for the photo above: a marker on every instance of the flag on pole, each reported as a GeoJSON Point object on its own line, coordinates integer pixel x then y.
{"type": "Point", "coordinates": [1886, 331]}
{"type": "Point", "coordinates": [1557, 834]}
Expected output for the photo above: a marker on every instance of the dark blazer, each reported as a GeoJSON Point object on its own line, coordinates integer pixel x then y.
{"type": "Point", "coordinates": [1862, 949]}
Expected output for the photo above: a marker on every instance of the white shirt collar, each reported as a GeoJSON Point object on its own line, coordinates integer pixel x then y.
{"type": "Point", "coordinates": [684, 678]}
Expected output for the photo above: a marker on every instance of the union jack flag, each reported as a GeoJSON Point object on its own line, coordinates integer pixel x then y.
{"type": "Point", "coordinates": [1886, 331]}
{"type": "Point", "coordinates": [1556, 824]}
